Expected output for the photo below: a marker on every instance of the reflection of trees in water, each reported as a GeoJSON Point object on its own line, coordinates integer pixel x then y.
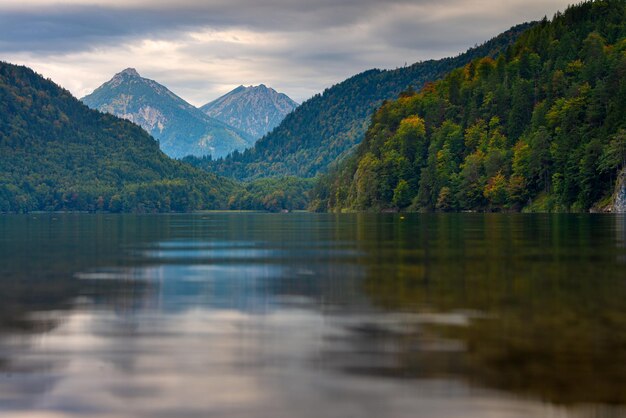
{"type": "Point", "coordinates": [620, 228]}
{"type": "Point", "coordinates": [19, 299]}
{"type": "Point", "coordinates": [531, 304]}
{"type": "Point", "coordinates": [550, 291]}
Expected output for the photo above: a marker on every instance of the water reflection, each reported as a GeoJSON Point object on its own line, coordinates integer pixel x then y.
{"type": "Point", "coordinates": [312, 315]}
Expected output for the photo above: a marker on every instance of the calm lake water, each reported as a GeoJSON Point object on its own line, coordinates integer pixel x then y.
{"type": "Point", "coordinates": [303, 315]}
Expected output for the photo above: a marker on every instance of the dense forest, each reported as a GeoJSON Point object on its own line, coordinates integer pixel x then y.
{"type": "Point", "coordinates": [542, 127]}
{"type": "Point", "coordinates": [328, 126]}
{"type": "Point", "coordinates": [272, 194]}
{"type": "Point", "coordinates": [57, 154]}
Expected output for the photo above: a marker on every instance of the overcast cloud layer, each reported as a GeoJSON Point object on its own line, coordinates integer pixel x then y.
{"type": "Point", "coordinates": [202, 49]}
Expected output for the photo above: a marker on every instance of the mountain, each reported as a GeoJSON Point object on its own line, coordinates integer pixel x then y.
{"type": "Point", "coordinates": [326, 127]}
{"type": "Point", "coordinates": [255, 110]}
{"type": "Point", "coordinates": [57, 154]}
{"type": "Point", "coordinates": [541, 128]}
{"type": "Point", "coordinates": [180, 128]}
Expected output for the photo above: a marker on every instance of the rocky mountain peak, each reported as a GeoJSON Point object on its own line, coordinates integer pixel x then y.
{"type": "Point", "coordinates": [255, 110]}
{"type": "Point", "coordinates": [131, 72]}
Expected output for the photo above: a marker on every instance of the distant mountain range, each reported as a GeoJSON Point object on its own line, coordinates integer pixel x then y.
{"type": "Point", "coordinates": [181, 128]}
{"type": "Point", "coordinates": [326, 127]}
{"type": "Point", "coordinates": [255, 110]}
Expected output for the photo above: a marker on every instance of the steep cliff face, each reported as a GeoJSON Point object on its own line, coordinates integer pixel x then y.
{"type": "Point", "coordinates": [619, 202]}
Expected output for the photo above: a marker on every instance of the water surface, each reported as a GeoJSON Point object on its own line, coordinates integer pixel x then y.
{"type": "Point", "coordinates": [302, 315]}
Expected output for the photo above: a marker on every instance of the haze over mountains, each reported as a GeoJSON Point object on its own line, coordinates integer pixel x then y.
{"type": "Point", "coordinates": [180, 127]}
{"type": "Point", "coordinates": [230, 123]}
{"type": "Point", "coordinates": [255, 110]}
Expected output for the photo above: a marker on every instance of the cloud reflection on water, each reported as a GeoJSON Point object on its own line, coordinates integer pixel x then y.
{"type": "Point", "coordinates": [385, 327]}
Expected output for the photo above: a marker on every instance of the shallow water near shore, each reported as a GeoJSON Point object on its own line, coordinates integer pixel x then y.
{"type": "Point", "coordinates": [306, 315]}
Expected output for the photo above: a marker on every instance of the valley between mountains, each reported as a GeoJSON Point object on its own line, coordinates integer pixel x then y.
{"type": "Point", "coordinates": [532, 120]}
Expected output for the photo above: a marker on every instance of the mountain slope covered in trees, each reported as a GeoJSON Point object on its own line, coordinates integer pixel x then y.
{"type": "Point", "coordinates": [327, 126]}
{"type": "Point", "coordinates": [255, 110]}
{"type": "Point", "coordinates": [181, 128]}
{"type": "Point", "coordinates": [57, 154]}
{"type": "Point", "coordinates": [543, 127]}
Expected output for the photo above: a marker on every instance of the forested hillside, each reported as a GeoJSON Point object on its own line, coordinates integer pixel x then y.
{"type": "Point", "coordinates": [327, 126]}
{"type": "Point", "coordinates": [57, 154]}
{"type": "Point", "coordinates": [542, 127]}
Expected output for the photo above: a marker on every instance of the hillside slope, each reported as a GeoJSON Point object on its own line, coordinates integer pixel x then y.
{"type": "Point", "coordinates": [57, 154]}
{"type": "Point", "coordinates": [327, 126]}
{"type": "Point", "coordinates": [542, 128]}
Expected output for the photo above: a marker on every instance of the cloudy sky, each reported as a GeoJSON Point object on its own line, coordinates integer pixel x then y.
{"type": "Point", "coordinates": [201, 49]}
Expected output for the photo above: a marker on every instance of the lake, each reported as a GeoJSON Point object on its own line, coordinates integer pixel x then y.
{"type": "Point", "coordinates": [306, 315]}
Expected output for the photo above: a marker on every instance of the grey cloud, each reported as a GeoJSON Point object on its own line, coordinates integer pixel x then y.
{"type": "Point", "coordinates": [461, 26]}
{"type": "Point", "coordinates": [69, 28]}
{"type": "Point", "coordinates": [303, 46]}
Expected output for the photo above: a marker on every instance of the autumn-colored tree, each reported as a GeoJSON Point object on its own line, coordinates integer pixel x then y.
{"type": "Point", "coordinates": [496, 190]}
{"type": "Point", "coordinates": [545, 121]}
